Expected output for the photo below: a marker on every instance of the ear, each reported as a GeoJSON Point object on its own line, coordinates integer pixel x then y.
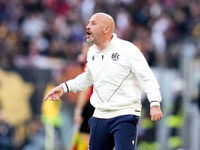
{"type": "Point", "coordinates": [106, 29]}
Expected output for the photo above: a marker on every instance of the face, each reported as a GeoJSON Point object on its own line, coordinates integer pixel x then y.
{"type": "Point", "coordinates": [94, 29]}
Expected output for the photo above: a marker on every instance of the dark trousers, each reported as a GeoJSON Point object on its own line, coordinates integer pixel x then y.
{"type": "Point", "coordinates": [119, 132]}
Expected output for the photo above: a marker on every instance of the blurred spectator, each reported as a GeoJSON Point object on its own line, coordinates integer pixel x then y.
{"type": "Point", "coordinates": [83, 110]}
{"type": "Point", "coordinates": [32, 26]}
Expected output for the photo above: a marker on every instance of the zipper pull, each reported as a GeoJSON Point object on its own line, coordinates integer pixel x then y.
{"type": "Point", "coordinates": [102, 57]}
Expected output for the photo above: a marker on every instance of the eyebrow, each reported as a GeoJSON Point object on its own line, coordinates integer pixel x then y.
{"type": "Point", "coordinates": [92, 21]}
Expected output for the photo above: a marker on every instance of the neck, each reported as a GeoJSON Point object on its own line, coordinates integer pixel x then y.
{"type": "Point", "coordinates": [104, 42]}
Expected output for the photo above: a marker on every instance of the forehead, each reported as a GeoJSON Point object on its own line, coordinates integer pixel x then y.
{"type": "Point", "coordinates": [96, 18]}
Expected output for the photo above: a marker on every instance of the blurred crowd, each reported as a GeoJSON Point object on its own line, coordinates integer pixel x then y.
{"type": "Point", "coordinates": [46, 34]}
{"type": "Point", "coordinates": [56, 28]}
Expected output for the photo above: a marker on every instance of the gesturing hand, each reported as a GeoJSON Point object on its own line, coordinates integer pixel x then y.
{"type": "Point", "coordinates": [155, 113]}
{"type": "Point", "coordinates": [55, 93]}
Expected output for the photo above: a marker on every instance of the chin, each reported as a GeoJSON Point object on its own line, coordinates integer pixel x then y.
{"type": "Point", "coordinates": [89, 40]}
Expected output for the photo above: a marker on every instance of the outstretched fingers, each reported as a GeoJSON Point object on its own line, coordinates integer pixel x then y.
{"type": "Point", "coordinates": [55, 93]}
{"type": "Point", "coordinates": [50, 95]}
{"type": "Point", "coordinates": [47, 96]}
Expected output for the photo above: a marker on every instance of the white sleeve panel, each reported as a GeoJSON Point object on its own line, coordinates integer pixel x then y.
{"type": "Point", "coordinates": [81, 82]}
{"type": "Point", "coordinates": [144, 74]}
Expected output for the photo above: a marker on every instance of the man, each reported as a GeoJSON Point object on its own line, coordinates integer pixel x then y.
{"type": "Point", "coordinates": [118, 71]}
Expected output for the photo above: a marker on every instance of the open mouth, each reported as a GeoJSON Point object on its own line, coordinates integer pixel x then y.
{"type": "Point", "coordinates": [88, 33]}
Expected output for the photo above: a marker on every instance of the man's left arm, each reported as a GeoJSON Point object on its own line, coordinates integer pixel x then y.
{"type": "Point", "coordinates": [148, 82]}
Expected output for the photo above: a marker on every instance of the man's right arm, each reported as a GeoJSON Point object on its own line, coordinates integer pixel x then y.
{"type": "Point", "coordinates": [81, 82]}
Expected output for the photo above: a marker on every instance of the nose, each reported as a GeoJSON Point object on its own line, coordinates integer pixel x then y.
{"type": "Point", "coordinates": [88, 26]}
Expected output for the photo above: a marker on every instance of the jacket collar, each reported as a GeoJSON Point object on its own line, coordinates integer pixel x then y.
{"type": "Point", "coordinates": [113, 38]}
{"type": "Point", "coordinates": [109, 44]}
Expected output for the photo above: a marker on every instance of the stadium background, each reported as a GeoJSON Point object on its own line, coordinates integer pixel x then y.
{"type": "Point", "coordinates": [40, 41]}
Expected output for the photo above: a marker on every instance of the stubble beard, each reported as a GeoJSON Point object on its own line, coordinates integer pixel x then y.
{"type": "Point", "coordinates": [90, 40]}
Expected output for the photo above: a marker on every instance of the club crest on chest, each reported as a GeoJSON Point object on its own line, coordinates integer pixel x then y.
{"type": "Point", "coordinates": [115, 56]}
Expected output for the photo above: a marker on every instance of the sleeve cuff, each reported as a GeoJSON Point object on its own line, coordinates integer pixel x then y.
{"type": "Point", "coordinates": [65, 87]}
{"type": "Point", "coordinates": [154, 103]}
